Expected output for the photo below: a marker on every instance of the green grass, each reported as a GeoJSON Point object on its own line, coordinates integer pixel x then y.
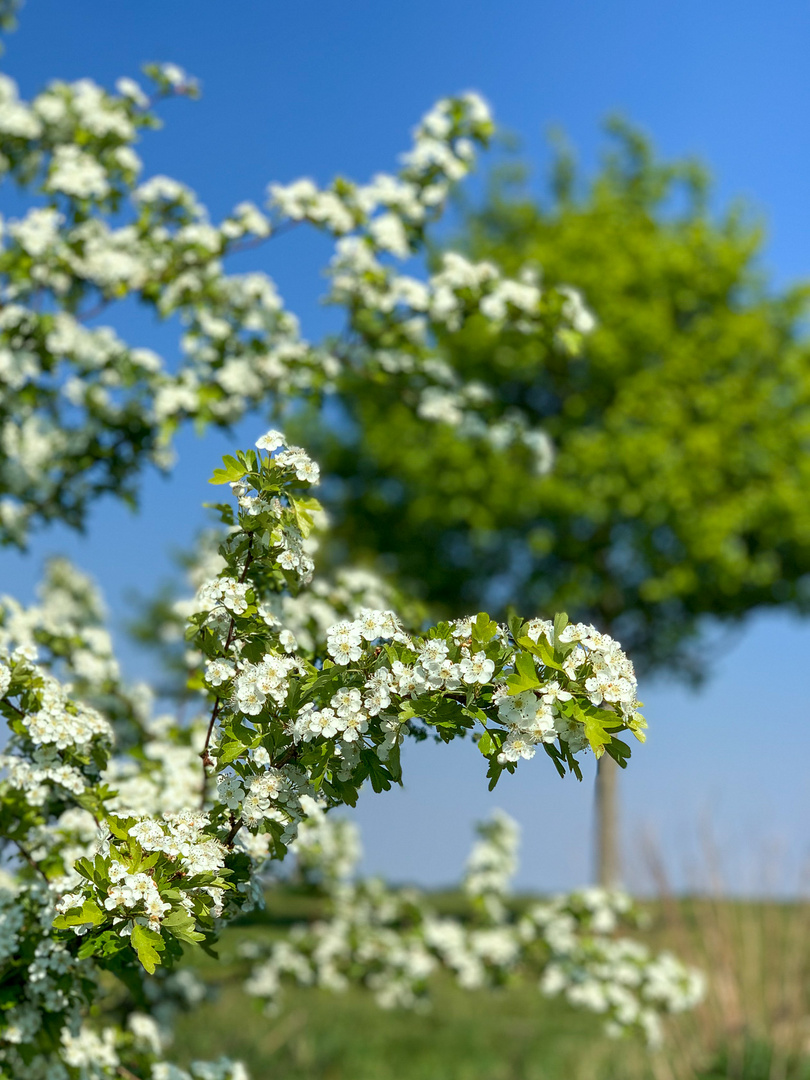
{"type": "Point", "coordinates": [514, 1034]}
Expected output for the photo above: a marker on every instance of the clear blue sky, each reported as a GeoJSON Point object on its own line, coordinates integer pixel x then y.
{"type": "Point", "coordinates": [319, 88]}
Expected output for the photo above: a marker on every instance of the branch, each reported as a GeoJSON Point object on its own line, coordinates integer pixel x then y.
{"type": "Point", "coordinates": [204, 755]}
{"type": "Point", "coordinates": [290, 753]}
{"type": "Point", "coordinates": [235, 827]}
{"type": "Point", "coordinates": [257, 241]}
{"type": "Point", "coordinates": [206, 758]}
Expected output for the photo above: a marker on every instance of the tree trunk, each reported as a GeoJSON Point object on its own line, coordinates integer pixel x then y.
{"type": "Point", "coordinates": [607, 869]}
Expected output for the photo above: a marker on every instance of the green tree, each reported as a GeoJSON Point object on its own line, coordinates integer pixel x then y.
{"type": "Point", "coordinates": [680, 428]}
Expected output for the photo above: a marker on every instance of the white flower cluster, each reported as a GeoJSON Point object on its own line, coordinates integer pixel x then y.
{"type": "Point", "coordinates": [530, 722]}
{"type": "Point", "coordinates": [275, 796]}
{"type": "Point", "coordinates": [616, 977]}
{"type": "Point", "coordinates": [56, 745]}
{"type": "Point", "coordinates": [351, 708]}
{"type": "Point", "coordinates": [534, 720]}
{"type": "Point", "coordinates": [393, 943]}
{"type": "Point", "coordinates": [54, 724]}
{"type": "Point", "coordinates": [408, 314]}
{"type": "Point", "coordinates": [68, 616]}
{"type": "Point", "coordinates": [344, 640]}
{"type": "Point", "coordinates": [391, 208]}
{"type": "Point", "coordinates": [38, 777]}
{"type": "Point", "coordinates": [86, 1049]}
{"type": "Point", "coordinates": [53, 991]}
{"type": "Point", "coordinates": [492, 863]}
{"type": "Point", "coordinates": [256, 682]}
{"type": "Point", "coordinates": [134, 897]}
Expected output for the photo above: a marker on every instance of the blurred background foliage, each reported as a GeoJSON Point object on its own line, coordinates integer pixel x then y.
{"type": "Point", "coordinates": [680, 483]}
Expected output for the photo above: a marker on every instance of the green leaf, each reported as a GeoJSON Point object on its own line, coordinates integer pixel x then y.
{"type": "Point", "coordinates": [572, 763]}
{"type": "Point", "coordinates": [92, 913]}
{"type": "Point", "coordinates": [483, 630]}
{"type": "Point", "coordinates": [120, 826]}
{"type": "Point", "coordinates": [554, 754]}
{"type": "Point", "coordinates": [524, 676]}
{"type": "Point", "coordinates": [344, 791]}
{"type": "Point", "coordinates": [148, 945]}
{"type": "Point", "coordinates": [89, 912]}
{"type": "Point", "coordinates": [379, 776]}
{"type": "Point", "coordinates": [394, 764]}
{"type": "Point", "coordinates": [107, 944]}
{"type": "Point", "coordinates": [542, 650]}
{"type": "Point", "coordinates": [181, 925]}
{"type": "Point", "coordinates": [515, 624]}
{"type": "Point", "coordinates": [86, 869]}
{"type": "Point", "coordinates": [619, 751]}
{"type": "Point", "coordinates": [599, 724]}
{"type": "Point", "coordinates": [146, 863]}
{"type": "Point", "coordinates": [494, 773]}
{"type": "Point", "coordinates": [229, 752]}
{"type": "Point", "coordinates": [326, 679]}
{"type": "Point", "coordinates": [302, 509]}
{"type": "Point", "coordinates": [486, 745]}
{"type": "Point", "coordinates": [249, 460]}
{"type": "Point", "coordinates": [560, 623]}
{"type": "Point", "coordinates": [233, 471]}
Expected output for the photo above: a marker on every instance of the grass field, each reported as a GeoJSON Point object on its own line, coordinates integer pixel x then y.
{"type": "Point", "coordinates": [754, 1025]}
{"type": "Point", "coordinates": [510, 1035]}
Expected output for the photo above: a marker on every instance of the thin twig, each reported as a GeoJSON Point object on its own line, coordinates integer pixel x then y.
{"type": "Point", "coordinates": [204, 755]}
{"type": "Point", "coordinates": [124, 1071]}
{"type": "Point", "coordinates": [248, 559]}
{"type": "Point", "coordinates": [28, 858]}
{"type": "Point", "coordinates": [86, 316]}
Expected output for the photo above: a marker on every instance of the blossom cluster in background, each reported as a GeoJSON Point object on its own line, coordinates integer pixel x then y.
{"type": "Point", "coordinates": [392, 942]}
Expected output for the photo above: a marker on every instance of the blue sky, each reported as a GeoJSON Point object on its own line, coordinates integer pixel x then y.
{"type": "Point", "coordinates": [321, 88]}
